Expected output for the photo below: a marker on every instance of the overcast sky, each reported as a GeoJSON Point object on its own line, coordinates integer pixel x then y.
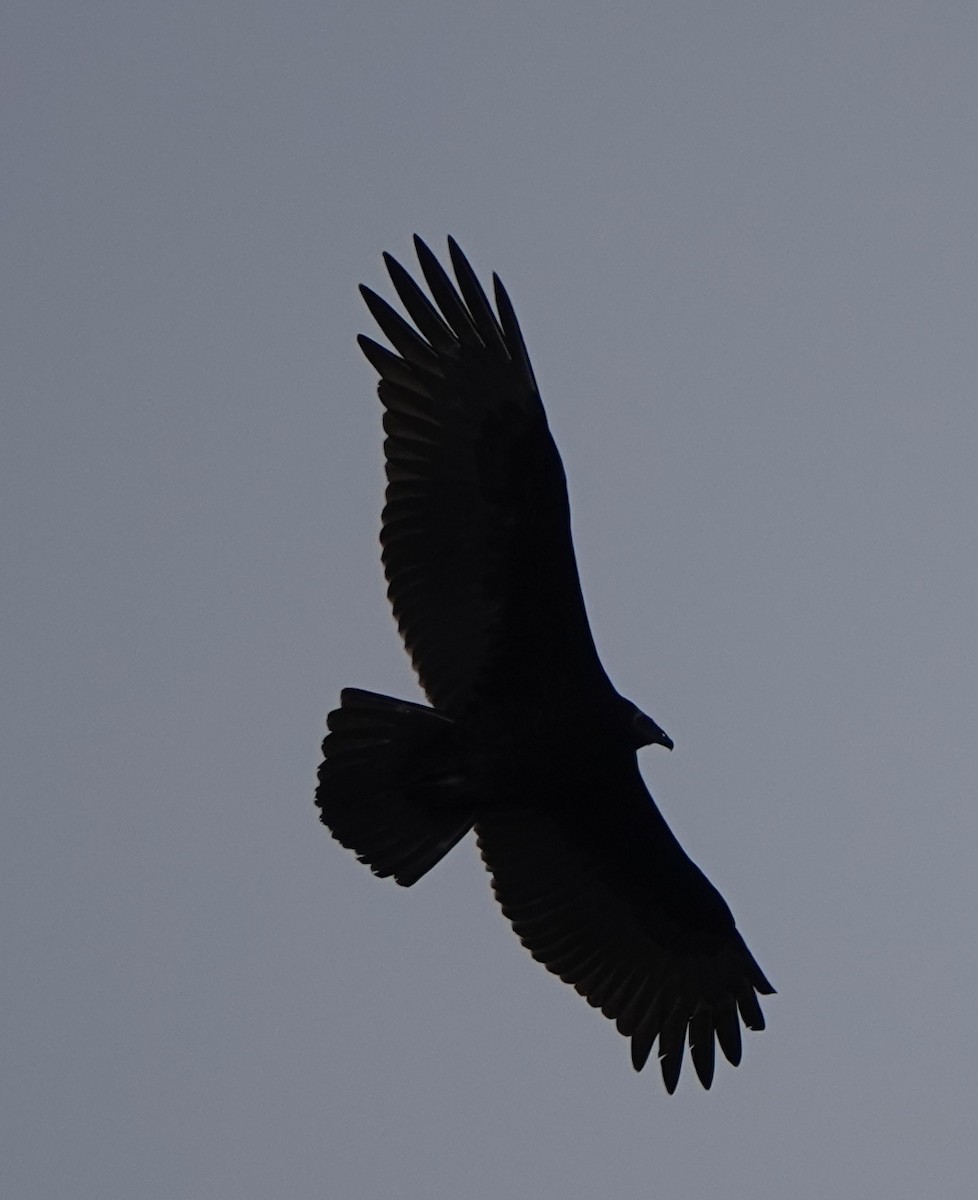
{"type": "Point", "coordinates": [741, 239]}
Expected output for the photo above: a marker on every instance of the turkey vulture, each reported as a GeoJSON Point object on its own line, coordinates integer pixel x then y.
{"type": "Point", "coordinates": [526, 739]}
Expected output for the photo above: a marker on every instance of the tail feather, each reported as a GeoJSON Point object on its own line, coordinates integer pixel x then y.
{"type": "Point", "coordinates": [390, 786]}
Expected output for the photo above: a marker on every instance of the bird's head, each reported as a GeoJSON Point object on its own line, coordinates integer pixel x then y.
{"type": "Point", "coordinates": [645, 732]}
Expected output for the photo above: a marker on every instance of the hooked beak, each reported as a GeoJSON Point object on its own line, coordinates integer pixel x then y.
{"type": "Point", "coordinates": [648, 733]}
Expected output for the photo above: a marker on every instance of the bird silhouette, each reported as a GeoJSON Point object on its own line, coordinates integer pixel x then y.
{"type": "Point", "coordinates": [525, 740]}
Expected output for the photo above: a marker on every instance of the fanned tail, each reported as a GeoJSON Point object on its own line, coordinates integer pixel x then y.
{"type": "Point", "coordinates": [390, 786]}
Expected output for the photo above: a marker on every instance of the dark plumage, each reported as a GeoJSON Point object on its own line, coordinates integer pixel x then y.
{"type": "Point", "coordinates": [526, 740]}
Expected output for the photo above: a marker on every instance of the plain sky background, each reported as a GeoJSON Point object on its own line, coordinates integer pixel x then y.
{"type": "Point", "coordinates": [741, 239]}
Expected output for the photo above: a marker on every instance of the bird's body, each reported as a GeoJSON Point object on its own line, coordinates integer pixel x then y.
{"type": "Point", "coordinates": [526, 740]}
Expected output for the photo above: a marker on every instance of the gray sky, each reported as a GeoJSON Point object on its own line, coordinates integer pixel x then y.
{"type": "Point", "coordinates": [741, 239]}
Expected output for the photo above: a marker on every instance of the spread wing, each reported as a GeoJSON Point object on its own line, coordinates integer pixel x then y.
{"type": "Point", "coordinates": [476, 529]}
{"type": "Point", "coordinates": [625, 917]}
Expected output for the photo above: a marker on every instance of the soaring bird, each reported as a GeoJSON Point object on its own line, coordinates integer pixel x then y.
{"type": "Point", "coordinates": [526, 740]}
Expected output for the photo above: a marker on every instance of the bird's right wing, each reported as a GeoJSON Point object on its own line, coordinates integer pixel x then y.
{"type": "Point", "coordinates": [476, 530]}
{"type": "Point", "coordinates": [655, 949]}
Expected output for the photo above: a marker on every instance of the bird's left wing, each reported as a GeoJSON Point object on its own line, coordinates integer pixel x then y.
{"type": "Point", "coordinates": [476, 530]}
